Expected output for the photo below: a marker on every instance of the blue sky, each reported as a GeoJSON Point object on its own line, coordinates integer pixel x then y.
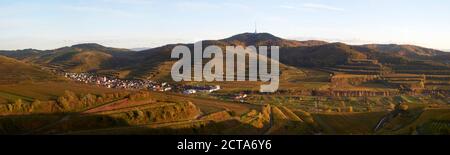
{"type": "Point", "coordinates": [48, 24]}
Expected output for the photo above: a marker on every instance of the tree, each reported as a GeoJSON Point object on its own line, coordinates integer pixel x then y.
{"type": "Point", "coordinates": [36, 102]}
{"type": "Point", "coordinates": [327, 108]}
{"type": "Point", "coordinates": [391, 106]}
{"type": "Point", "coordinates": [139, 114]}
{"type": "Point", "coordinates": [70, 96]}
{"type": "Point", "coordinates": [132, 97]}
{"type": "Point", "coordinates": [90, 99]}
{"type": "Point", "coordinates": [18, 103]}
{"type": "Point", "coordinates": [110, 96]}
{"type": "Point", "coordinates": [33, 104]}
{"type": "Point", "coordinates": [403, 107]}
{"type": "Point", "coordinates": [10, 107]}
{"type": "Point", "coordinates": [63, 103]}
{"type": "Point", "coordinates": [369, 108]}
{"type": "Point", "coordinates": [100, 100]}
{"type": "Point", "coordinates": [350, 109]}
{"type": "Point", "coordinates": [342, 104]}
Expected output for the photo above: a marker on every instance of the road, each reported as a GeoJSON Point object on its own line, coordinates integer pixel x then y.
{"type": "Point", "coordinates": [386, 119]}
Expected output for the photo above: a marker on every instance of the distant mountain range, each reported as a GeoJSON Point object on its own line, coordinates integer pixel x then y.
{"type": "Point", "coordinates": [140, 48]}
{"type": "Point", "coordinates": [156, 62]}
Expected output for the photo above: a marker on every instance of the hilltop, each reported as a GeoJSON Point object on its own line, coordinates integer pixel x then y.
{"type": "Point", "coordinates": [156, 62]}
{"type": "Point", "coordinates": [76, 58]}
{"type": "Point", "coordinates": [267, 39]}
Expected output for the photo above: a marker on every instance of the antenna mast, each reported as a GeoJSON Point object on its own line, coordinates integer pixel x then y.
{"type": "Point", "coordinates": [256, 28]}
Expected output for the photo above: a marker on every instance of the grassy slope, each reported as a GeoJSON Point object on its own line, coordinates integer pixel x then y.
{"type": "Point", "coordinates": [14, 71]}
{"type": "Point", "coordinates": [417, 120]}
{"type": "Point", "coordinates": [348, 123]}
{"type": "Point", "coordinates": [46, 90]}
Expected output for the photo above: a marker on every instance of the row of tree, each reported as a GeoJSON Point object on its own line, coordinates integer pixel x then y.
{"type": "Point", "coordinates": [69, 101]}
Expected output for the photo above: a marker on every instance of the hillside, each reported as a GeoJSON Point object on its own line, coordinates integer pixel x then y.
{"type": "Point", "coordinates": [267, 39]}
{"type": "Point", "coordinates": [14, 71]}
{"type": "Point", "coordinates": [410, 52]}
{"type": "Point", "coordinates": [320, 56]}
{"type": "Point", "coordinates": [21, 54]}
{"type": "Point", "coordinates": [76, 58]}
{"type": "Point", "coordinates": [155, 63]}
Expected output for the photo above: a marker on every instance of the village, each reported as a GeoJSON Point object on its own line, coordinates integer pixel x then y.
{"type": "Point", "coordinates": [137, 84]}
{"type": "Point", "coordinates": [112, 82]}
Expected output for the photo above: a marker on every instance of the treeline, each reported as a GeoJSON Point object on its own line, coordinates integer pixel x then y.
{"type": "Point", "coordinates": [72, 102]}
{"type": "Point", "coordinates": [68, 102]}
{"type": "Point", "coordinates": [139, 96]}
{"type": "Point", "coordinates": [168, 113]}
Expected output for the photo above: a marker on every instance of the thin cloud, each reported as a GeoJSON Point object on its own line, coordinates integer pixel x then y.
{"type": "Point", "coordinates": [236, 6]}
{"type": "Point", "coordinates": [98, 10]}
{"type": "Point", "coordinates": [138, 2]}
{"type": "Point", "coordinates": [311, 7]}
{"type": "Point", "coordinates": [287, 7]}
{"type": "Point", "coordinates": [315, 6]}
{"type": "Point", "coordinates": [197, 6]}
{"type": "Point", "coordinates": [202, 6]}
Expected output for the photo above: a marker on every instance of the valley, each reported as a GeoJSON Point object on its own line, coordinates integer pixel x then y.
{"type": "Point", "coordinates": [325, 89]}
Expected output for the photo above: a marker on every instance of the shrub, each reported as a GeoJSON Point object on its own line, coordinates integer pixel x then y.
{"type": "Point", "coordinates": [63, 103]}
{"type": "Point", "coordinates": [350, 109]}
{"type": "Point", "coordinates": [36, 102]}
{"type": "Point", "coordinates": [18, 103]}
{"type": "Point", "coordinates": [403, 107]}
{"type": "Point", "coordinates": [70, 96]}
{"type": "Point", "coordinates": [309, 120]}
{"type": "Point", "coordinates": [100, 100]}
{"type": "Point", "coordinates": [232, 113]}
{"type": "Point", "coordinates": [391, 106]}
{"type": "Point", "coordinates": [369, 108]}
{"type": "Point", "coordinates": [10, 107]}
{"type": "Point", "coordinates": [33, 104]}
{"type": "Point", "coordinates": [91, 99]}
{"type": "Point", "coordinates": [342, 104]}
{"type": "Point", "coordinates": [139, 114]}
{"type": "Point", "coordinates": [143, 95]}
{"type": "Point", "coordinates": [110, 96]}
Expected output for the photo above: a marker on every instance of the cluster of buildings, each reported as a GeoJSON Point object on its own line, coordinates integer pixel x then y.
{"type": "Point", "coordinates": [111, 82]}
{"type": "Point", "coordinates": [137, 84]}
{"type": "Point", "coordinates": [199, 89]}
{"type": "Point", "coordinates": [241, 97]}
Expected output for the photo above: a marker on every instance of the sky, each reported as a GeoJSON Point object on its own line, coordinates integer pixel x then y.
{"type": "Point", "coordinates": [50, 24]}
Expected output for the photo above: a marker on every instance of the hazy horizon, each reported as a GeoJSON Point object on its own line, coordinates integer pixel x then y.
{"type": "Point", "coordinates": [349, 42]}
{"type": "Point", "coordinates": [50, 24]}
